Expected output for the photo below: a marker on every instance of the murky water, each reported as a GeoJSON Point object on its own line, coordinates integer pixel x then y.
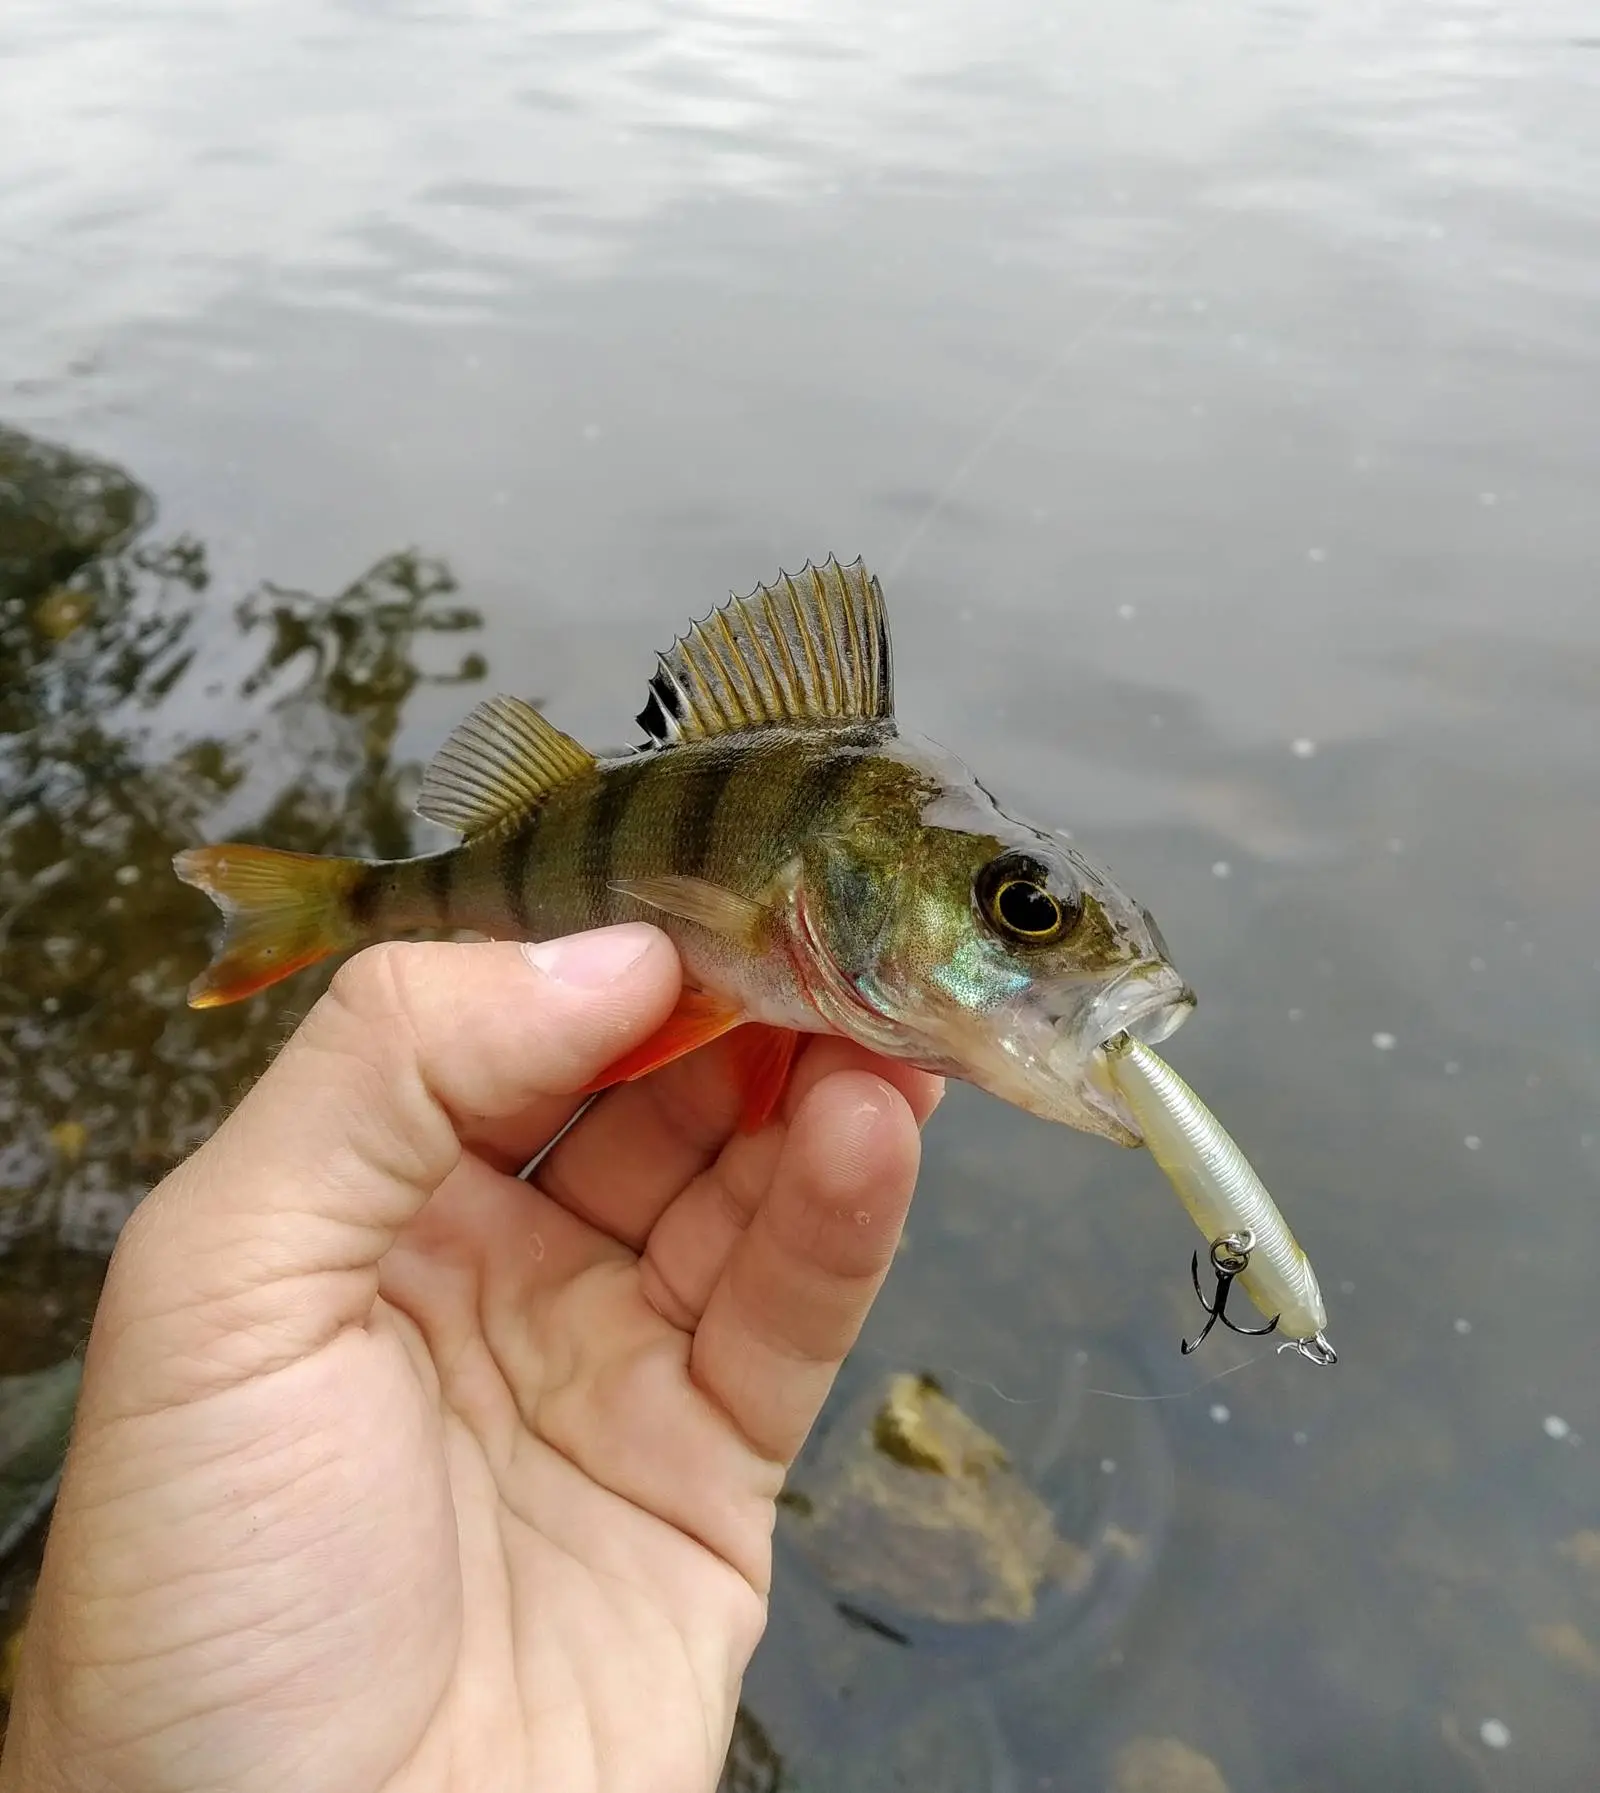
{"type": "Point", "coordinates": [1215, 389]}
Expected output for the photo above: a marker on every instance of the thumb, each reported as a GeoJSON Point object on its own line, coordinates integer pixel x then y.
{"type": "Point", "coordinates": [266, 1242]}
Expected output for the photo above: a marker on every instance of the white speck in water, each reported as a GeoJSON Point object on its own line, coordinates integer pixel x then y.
{"type": "Point", "coordinates": [965, 614]}
{"type": "Point", "coordinates": [1219, 1413]}
{"type": "Point", "coordinates": [1526, 949]}
{"type": "Point", "coordinates": [1317, 554]}
{"type": "Point", "coordinates": [51, 1004]}
{"type": "Point", "coordinates": [1452, 1067]}
{"type": "Point", "coordinates": [1472, 1142]}
{"type": "Point", "coordinates": [1476, 963]}
{"type": "Point", "coordinates": [1586, 1140]}
{"type": "Point", "coordinates": [1495, 1733]}
{"type": "Point", "coordinates": [1463, 1327]}
{"type": "Point", "coordinates": [1489, 499]}
{"type": "Point", "coordinates": [1303, 747]}
{"type": "Point", "coordinates": [591, 432]}
{"type": "Point", "coordinates": [1127, 612]}
{"type": "Point", "coordinates": [1395, 844]}
{"type": "Point", "coordinates": [1385, 1042]}
{"type": "Point", "coordinates": [1347, 1288]}
{"type": "Point", "coordinates": [1108, 1466]}
{"type": "Point", "coordinates": [127, 874]}
{"type": "Point", "coordinates": [1302, 1437]}
{"type": "Point", "coordinates": [1556, 1427]}
{"type": "Point", "coordinates": [500, 496]}
{"type": "Point", "coordinates": [1080, 1357]}
{"type": "Point", "coordinates": [1532, 1080]}
{"type": "Point", "coordinates": [1220, 868]}
{"type": "Point", "coordinates": [1295, 1014]}
{"type": "Point", "coordinates": [1158, 721]}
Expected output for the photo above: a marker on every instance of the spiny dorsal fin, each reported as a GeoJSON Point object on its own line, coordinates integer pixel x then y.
{"type": "Point", "coordinates": [810, 648]}
{"type": "Point", "coordinates": [503, 761]}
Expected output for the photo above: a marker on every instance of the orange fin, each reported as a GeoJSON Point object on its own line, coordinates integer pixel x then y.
{"type": "Point", "coordinates": [696, 1021]}
{"type": "Point", "coordinates": [763, 1056]}
{"type": "Point", "coordinates": [282, 912]}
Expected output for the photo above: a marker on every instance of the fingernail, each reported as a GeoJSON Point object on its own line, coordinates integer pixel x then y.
{"type": "Point", "coordinates": [590, 961]}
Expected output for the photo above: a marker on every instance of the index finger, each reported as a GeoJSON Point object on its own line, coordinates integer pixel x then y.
{"type": "Point", "coordinates": [801, 1278]}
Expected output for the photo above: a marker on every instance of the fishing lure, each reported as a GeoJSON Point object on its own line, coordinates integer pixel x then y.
{"type": "Point", "coordinates": [1248, 1238]}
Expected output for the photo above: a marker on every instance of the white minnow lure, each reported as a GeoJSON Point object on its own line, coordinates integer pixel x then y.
{"type": "Point", "coordinates": [1224, 1196]}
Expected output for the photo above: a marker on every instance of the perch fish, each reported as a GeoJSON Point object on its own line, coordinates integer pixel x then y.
{"type": "Point", "coordinates": [819, 870]}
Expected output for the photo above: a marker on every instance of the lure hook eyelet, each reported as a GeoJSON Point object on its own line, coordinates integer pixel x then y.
{"type": "Point", "coordinates": [1230, 1257]}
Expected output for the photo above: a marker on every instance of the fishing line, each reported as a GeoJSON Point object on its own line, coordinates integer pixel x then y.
{"type": "Point", "coordinates": [1109, 1394]}
{"type": "Point", "coordinates": [1180, 1394]}
{"type": "Point", "coordinates": [1160, 269]}
{"type": "Point", "coordinates": [956, 1375]}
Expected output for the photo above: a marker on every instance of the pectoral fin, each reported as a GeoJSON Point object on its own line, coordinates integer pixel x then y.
{"type": "Point", "coordinates": [713, 906]}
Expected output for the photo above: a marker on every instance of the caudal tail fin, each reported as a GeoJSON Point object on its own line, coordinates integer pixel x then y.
{"type": "Point", "coordinates": [282, 912]}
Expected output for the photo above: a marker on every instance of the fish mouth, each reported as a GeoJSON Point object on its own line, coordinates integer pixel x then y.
{"type": "Point", "coordinates": [1150, 1003]}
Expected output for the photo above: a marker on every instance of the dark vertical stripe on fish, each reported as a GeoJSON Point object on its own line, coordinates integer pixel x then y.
{"type": "Point", "coordinates": [823, 784]}
{"type": "Point", "coordinates": [697, 814]}
{"type": "Point", "coordinates": [365, 895]}
{"type": "Point", "coordinates": [511, 863]}
{"type": "Point", "coordinates": [607, 808]}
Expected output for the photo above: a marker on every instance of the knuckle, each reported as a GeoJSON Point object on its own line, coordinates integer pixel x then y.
{"type": "Point", "coordinates": [371, 1025]}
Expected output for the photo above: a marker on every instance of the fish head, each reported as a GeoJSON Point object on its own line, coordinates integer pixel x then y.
{"type": "Point", "coordinates": [987, 948]}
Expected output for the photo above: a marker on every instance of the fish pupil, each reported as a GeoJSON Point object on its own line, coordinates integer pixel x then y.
{"type": "Point", "coordinates": [1026, 909]}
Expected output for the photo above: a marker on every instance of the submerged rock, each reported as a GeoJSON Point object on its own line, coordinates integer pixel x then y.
{"type": "Point", "coordinates": [921, 1506]}
{"type": "Point", "coordinates": [1566, 1644]}
{"type": "Point", "coordinates": [753, 1765]}
{"type": "Point", "coordinates": [1164, 1765]}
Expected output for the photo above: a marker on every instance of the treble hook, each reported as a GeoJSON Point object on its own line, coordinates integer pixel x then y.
{"type": "Point", "coordinates": [1230, 1257]}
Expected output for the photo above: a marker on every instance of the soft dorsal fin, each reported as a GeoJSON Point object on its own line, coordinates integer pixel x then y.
{"type": "Point", "coordinates": [810, 648]}
{"type": "Point", "coordinates": [503, 761]}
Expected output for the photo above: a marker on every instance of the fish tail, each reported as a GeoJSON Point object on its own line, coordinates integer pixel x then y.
{"type": "Point", "coordinates": [282, 912]}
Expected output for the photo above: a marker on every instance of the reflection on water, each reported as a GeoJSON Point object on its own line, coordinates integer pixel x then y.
{"type": "Point", "coordinates": [106, 1077]}
{"type": "Point", "coordinates": [1216, 389]}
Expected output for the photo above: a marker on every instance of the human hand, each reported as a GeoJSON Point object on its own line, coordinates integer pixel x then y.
{"type": "Point", "coordinates": [394, 1472]}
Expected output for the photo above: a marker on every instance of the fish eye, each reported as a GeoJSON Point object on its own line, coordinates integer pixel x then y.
{"type": "Point", "coordinates": [1014, 896]}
